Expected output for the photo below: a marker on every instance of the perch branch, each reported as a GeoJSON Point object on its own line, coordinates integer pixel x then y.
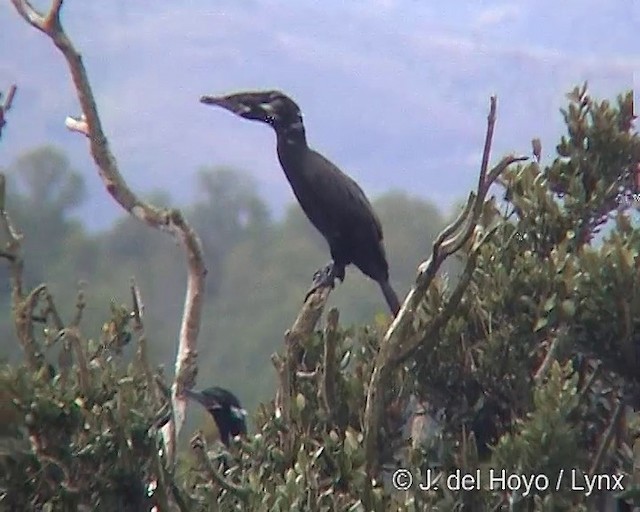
{"type": "Point", "coordinates": [402, 338]}
{"type": "Point", "coordinates": [286, 367]}
{"type": "Point", "coordinates": [171, 221]}
{"type": "Point", "coordinates": [301, 329]}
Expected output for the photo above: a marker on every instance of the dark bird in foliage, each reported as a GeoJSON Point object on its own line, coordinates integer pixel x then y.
{"type": "Point", "coordinates": [334, 203]}
{"type": "Point", "coordinates": [225, 408]}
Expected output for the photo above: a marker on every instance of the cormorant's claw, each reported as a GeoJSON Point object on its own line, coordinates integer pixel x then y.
{"type": "Point", "coordinates": [323, 278]}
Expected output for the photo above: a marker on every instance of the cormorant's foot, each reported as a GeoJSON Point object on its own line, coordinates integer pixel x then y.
{"type": "Point", "coordinates": [323, 278]}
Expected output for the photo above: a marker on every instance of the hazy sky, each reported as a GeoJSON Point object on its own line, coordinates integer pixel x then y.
{"type": "Point", "coordinates": [395, 92]}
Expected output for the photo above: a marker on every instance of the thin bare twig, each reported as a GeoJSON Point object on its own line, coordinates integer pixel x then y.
{"type": "Point", "coordinates": [283, 399]}
{"type": "Point", "coordinates": [81, 304]}
{"type": "Point", "coordinates": [72, 334]}
{"type": "Point", "coordinates": [52, 311]}
{"type": "Point", "coordinates": [138, 327]}
{"type": "Point", "coordinates": [171, 221]}
{"type": "Point", "coordinates": [6, 106]}
{"type": "Point", "coordinates": [198, 445]}
{"type": "Point", "coordinates": [548, 360]}
{"type": "Point", "coordinates": [607, 438]}
{"type": "Point", "coordinates": [536, 149]}
{"type": "Point", "coordinates": [587, 385]}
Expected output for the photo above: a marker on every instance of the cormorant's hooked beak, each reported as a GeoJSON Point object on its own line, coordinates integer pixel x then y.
{"type": "Point", "coordinates": [254, 106]}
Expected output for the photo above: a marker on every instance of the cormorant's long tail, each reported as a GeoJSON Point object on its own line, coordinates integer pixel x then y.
{"type": "Point", "coordinates": [390, 296]}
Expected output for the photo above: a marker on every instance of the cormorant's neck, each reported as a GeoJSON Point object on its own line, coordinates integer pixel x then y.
{"type": "Point", "coordinates": [292, 135]}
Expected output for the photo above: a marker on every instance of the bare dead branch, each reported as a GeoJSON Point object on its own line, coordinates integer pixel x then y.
{"type": "Point", "coordinates": [4, 107]}
{"type": "Point", "coordinates": [587, 385]}
{"type": "Point", "coordinates": [406, 333]}
{"type": "Point", "coordinates": [77, 343]}
{"type": "Point", "coordinates": [548, 360]}
{"type": "Point", "coordinates": [329, 375]}
{"type": "Point", "coordinates": [488, 139]}
{"type": "Point", "coordinates": [283, 399]}
{"type": "Point", "coordinates": [536, 149]}
{"type": "Point", "coordinates": [607, 438]}
{"type": "Point", "coordinates": [81, 304]}
{"type": "Point", "coordinates": [51, 311]}
{"type": "Point", "coordinates": [171, 221]}
{"type": "Point", "coordinates": [67, 482]}
{"type": "Point", "coordinates": [138, 327]}
{"type": "Point", "coordinates": [303, 326]}
{"type": "Point", "coordinates": [11, 247]}
{"type": "Point", "coordinates": [138, 306]}
{"type": "Point", "coordinates": [23, 318]}
{"type": "Point", "coordinates": [198, 445]}
{"type": "Point", "coordinates": [9, 99]}
{"type": "Point", "coordinates": [309, 315]}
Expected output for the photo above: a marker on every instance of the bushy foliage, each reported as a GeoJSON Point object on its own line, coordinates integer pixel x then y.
{"type": "Point", "coordinates": [534, 374]}
{"type": "Point", "coordinates": [82, 436]}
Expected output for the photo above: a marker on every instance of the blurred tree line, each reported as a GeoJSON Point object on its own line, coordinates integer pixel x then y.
{"type": "Point", "coordinates": [255, 263]}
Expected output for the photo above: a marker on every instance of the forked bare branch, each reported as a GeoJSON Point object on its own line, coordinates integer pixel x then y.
{"type": "Point", "coordinates": [402, 337]}
{"type": "Point", "coordinates": [169, 220]}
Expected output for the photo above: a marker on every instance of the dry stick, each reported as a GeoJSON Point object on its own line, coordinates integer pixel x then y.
{"type": "Point", "coordinates": [606, 439]}
{"type": "Point", "coordinates": [587, 385]}
{"type": "Point", "coordinates": [12, 241]}
{"type": "Point", "coordinates": [23, 318]}
{"type": "Point", "coordinates": [329, 375]}
{"type": "Point", "coordinates": [301, 329]}
{"type": "Point", "coordinates": [141, 353]}
{"type": "Point", "coordinates": [81, 304]}
{"type": "Point", "coordinates": [198, 445]}
{"type": "Point", "coordinates": [78, 344]}
{"type": "Point", "coordinates": [548, 360]}
{"type": "Point", "coordinates": [401, 339]}
{"type": "Point", "coordinates": [23, 308]}
{"type": "Point", "coordinates": [283, 398]}
{"type": "Point", "coordinates": [52, 311]}
{"type": "Point", "coordinates": [4, 108]}
{"type": "Point", "coordinates": [167, 220]}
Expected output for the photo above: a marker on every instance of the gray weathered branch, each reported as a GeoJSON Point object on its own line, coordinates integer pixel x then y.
{"type": "Point", "coordinates": [6, 105]}
{"type": "Point", "coordinates": [169, 220]}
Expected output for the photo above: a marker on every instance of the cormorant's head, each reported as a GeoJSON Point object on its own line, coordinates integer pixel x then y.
{"type": "Point", "coordinates": [225, 408]}
{"type": "Point", "coordinates": [272, 107]}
